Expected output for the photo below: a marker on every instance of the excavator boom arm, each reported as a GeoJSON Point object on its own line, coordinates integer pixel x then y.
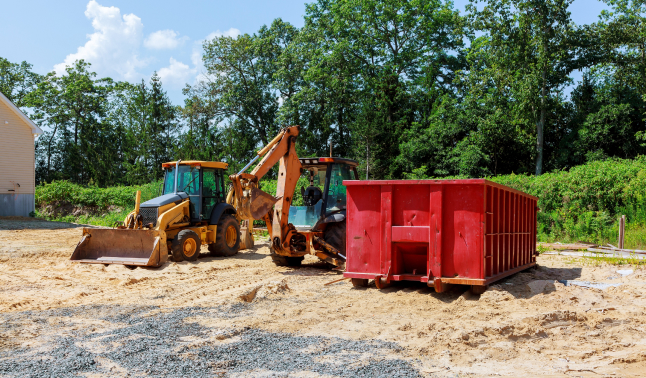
{"type": "Point", "coordinates": [252, 203]}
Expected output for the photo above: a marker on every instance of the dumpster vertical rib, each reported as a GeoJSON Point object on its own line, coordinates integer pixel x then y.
{"type": "Point", "coordinates": [535, 207]}
{"type": "Point", "coordinates": [498, 217]}
{"type": "Point", "coordinates": [437, 192]}
{"type": "Point", "coordinates": [503, 253]}
{"type": "Point", "coordinates": [527, 229]}
{"type": "Point", "coordinates": [512, 230]}
{"type": "Point", "coordinates": [523, 202]}
{"type": "Point", "coordinates": [488, 227]}
{"type": "Point", "coordinates": [516, 227]}
{"type": "Point", "coordinates": [386, 228]}
{"type": "Point", "coordinates": [483, 227]}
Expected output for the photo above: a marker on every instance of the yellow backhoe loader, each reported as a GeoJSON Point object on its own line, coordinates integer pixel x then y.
{"type": "Point", "coordinates": [191, 212]}
{"type": "Point", "coordinates": [318, 227]}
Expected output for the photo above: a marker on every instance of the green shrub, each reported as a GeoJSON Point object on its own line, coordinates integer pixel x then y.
{"type": "Point", "coordinates": [101, 198]}
{"type": "Point", "coordinates": [585, 202]}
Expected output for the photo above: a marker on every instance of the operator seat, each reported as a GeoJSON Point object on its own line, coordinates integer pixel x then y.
{"type": "Point", "coordinates": [311, 195]}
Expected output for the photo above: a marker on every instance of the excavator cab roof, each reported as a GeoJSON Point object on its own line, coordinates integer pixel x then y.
{"type": "Point", "coordinates": [197, 163]}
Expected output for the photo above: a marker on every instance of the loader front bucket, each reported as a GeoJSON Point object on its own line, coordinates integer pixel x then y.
{"type": "Point", "coordinates": [118, 246]}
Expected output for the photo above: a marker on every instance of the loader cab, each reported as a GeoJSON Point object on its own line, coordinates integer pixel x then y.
{"type": "Point", "coordinates": [202, 181]}
{"type": "Point", "coordinates": [321, 190]}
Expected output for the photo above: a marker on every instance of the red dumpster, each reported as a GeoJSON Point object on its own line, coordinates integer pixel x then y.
{"type": "Point", "coordinates": [469, 232]}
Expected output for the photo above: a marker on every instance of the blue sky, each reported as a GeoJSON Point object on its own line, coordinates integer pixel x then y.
{"type": "Point", "coordinates": [129, 40]}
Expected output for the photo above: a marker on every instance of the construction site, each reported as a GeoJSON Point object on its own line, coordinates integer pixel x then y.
{"type": "Point", "coordinates": [243, 316]}
{"type": "Point", "coordinates": [394, 278]}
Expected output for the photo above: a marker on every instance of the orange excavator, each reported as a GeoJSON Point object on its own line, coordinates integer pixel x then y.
{"type": "Point", "coordinates": [319, 226]}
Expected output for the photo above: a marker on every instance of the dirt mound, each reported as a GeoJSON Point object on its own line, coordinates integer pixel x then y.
{"type": "Point", "coordinates": [265, 290]}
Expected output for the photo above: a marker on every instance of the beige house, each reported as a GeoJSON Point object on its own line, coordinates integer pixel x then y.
{"type": "Point", "coordinates": [17, 160]}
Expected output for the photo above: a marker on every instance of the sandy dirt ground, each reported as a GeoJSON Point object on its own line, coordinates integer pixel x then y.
{"type": "Point", "coordinates": [529, 324]}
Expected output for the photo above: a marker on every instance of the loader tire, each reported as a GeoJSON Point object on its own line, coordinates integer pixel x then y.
{"type": "Point", "coordinates": [335, 236]}
{"type": "Point", "coordinates": [280, 260]}
{"type": "Point", "coordinates": [227, 237]}
{"type": "Point", "coordinates": [186, 246]}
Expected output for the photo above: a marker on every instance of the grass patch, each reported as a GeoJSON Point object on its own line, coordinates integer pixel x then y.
{"type": "Point", "coordinates": [602, 259]}
{"type": "Point", "coordinates": [109, 219]}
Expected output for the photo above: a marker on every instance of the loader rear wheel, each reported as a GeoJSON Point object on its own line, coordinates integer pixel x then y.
{"type": "Point", "coordinates": [227, 237]}
{"type": "Point", "coordinates": [186, 246]}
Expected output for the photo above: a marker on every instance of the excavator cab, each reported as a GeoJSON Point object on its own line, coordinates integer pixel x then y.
{"type": "Point", "coordinates": [325, 195]}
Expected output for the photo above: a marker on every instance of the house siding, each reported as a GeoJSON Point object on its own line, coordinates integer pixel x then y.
{"type": "Point", "coordinates": [16, 205]}
{"type": "Point", "coordinates": [17, 162]}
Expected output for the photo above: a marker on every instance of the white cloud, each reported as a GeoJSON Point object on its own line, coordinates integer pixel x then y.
{"type": "Point", "coordinates": [113, 47]}
{"type": "Point", "coordinates": [164, 39]}
{"type": "Point", "coordinates": [177, 74]}
{"type": "Point", "coordinates": [196, 55]}
{"type": "Point", "coordinates": [233, 33]}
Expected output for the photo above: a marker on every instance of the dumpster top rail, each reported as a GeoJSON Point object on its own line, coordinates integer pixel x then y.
{"type": "Point", "coordinates": [439, 182]}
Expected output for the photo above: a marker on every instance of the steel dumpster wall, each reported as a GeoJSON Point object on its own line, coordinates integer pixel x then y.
{"type": "Point", "coordinates": [463, 231]}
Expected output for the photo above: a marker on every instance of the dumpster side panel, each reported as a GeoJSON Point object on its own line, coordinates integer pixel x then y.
{"type": "Point", "coordinates": [363, 229]}
{"type": "Point", "coordinates": [510, 230]}
{"type": "Point", "coordinates": [411, 205]}
{"type": "Point", "coordinates": [463, 208]}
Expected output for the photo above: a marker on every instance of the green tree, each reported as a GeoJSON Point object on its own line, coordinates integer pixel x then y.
{"type": "Point", "coordinates": [386, 62]}
{"type": "Point", "coordinates": [17, 80]}
{"type": "Point", "coordinates": [147, 126]}
{"type": "Point", "coordinates": [73, 106]}
{"type": "Point", "coordinates": [531, 51]}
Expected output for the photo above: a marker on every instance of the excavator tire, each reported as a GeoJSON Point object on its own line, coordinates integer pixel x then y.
{"type": "Point", "coordinates": [280, 260]}
{"type": "Point", "coordinates": [334, 234]}
{"type": "Point", "coordinates": [186, 246]}
{"type": "Point", "coordinates": [227, 237]}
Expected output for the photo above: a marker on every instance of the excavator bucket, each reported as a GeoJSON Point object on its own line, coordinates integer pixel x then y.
{"type": "Point", "coordinates": [261, 203]}
{"type": "Point", "coordinates": [119, 246]}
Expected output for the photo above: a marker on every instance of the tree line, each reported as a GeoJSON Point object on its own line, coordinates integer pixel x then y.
{"type": "Point", "coordinates": [409, 88]}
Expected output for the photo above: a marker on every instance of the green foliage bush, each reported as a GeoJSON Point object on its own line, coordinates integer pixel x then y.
{"type": "Point", "coordinates": [102, 198]}
{"type": "Point", "coordinates": [585, 202]}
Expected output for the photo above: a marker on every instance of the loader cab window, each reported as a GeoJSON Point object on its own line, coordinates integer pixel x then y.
{"type": "Point", "coordinates": [336, 192]}
{"type": "Point", "coordinates": [188, 182]}
{"type": "Point", "coordinates": [169, 181]}
{"type": "Point", "coordinates": [212, 190]}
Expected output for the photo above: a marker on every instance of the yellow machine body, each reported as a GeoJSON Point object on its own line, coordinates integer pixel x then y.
{"type": "Point", "coordinates": [139, 244]}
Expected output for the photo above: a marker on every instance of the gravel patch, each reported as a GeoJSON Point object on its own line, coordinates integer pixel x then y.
{"type": "Point", "coordinates": [146, 341]}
